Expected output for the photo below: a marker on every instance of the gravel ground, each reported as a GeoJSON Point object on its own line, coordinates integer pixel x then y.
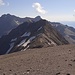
{"type": "Point", "coordinates": [59, 60]}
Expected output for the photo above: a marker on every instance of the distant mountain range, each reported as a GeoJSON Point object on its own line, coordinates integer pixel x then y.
{"type": "Point", "coordinates": [20, 34]}
{"type": "Point", "coordinates": [70, 23]}
{"type": "Point", "coordinates": [66, 31]}
{"type": "Point", "coordinates": [9, 22]}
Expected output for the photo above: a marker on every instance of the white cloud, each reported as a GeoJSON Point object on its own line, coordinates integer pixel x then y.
{"type": "Point", "coordinates": [1, 3]}
{"type": "Point", "coordinates": [38, 8]}
{"type": "Point", "coordinates": [74, 10]}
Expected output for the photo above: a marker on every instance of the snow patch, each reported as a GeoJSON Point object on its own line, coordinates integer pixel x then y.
{"type": "Point", "coordinates": [32, 38]}
{"type": "Point", "coordinates": [40, 28]}
{"type": "Point", "coordinates": [26, 43]}
{"type": "Point", "coordinates": [26, 48]}
{"type": "Point", "coordinates": [17, 22]}
{"type": "Point", "coordinates": [11, 46]}
{"type": "Point", "coordinates": [53, 43]}
{"type": "Point", "coordinates": [26, 34]}
{"type": "Point", "coordinates": [49, 43]}
{"type": "Point", "coordinates": [22, 42]}
{"type": "Point", "coordinates": [14, 39]}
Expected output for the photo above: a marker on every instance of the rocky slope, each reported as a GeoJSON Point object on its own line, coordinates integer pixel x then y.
{"type": "Point", "coordinates": [66, 31]}
{"type": "Point", "coordinates": [9, 22]}
{"type": "Point", "coordinates": [31, 35]}
{"type": "Point", "coordinates": [59, 60]}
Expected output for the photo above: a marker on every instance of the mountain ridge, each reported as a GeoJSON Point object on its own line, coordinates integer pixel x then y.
{"type": "Point", "coordinates": [34, 33]}
{"type": "Point", "coordinates": [9, 22]}
{"type": "Point", "coordinates": [67, 31]}
{"type": "Point", "coordinates": [31, 35]}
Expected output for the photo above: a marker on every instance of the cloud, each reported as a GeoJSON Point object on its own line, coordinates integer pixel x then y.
{"type": "Point", "coordinates": [39, 8]}
{"type": "Point", "coordinates": [1, 3]}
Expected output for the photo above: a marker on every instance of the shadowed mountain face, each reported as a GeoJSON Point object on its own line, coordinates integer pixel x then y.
{"type": "Point", "coordinates": [66, 31]}
{"type": "Point", "coordinates": [9, 22]}
{"type": "Point", "coordinates": [31, 35]}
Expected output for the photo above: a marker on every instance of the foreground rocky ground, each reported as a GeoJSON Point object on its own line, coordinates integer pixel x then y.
{"type": "Point", "coordinates": [59, 60]}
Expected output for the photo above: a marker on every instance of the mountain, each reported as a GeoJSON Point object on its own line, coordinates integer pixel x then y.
{"type": "Point", "coordinates": [9, 22]}
{"type": "Point", "coordinates": [31, 35]}
{"type": "Point", "coordinates": [70, 23]}
{"type": "Point", "coordinates": [37, 18]}
{"type": "Point", "coordinates": [66, 31]}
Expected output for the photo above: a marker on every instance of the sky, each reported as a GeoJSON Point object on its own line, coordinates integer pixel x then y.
{"type": "Point", "coordinates": [52, 10]}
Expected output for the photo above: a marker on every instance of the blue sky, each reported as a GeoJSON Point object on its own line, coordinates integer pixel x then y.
{"type": "Point", "coordinates": [52, 10]}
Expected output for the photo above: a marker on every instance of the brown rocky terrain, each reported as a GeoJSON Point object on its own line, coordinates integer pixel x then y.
{"type": "Point", "coordinates": [58, 60]}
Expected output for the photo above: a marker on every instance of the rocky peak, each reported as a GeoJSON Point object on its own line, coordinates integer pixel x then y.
{"type": "Point", "coordinates": [31, 35]}
{"type": "Point", "coordinates": [37, 18]}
